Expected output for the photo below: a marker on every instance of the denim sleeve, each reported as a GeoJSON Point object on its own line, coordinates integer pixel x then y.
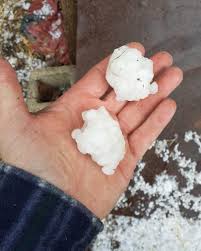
{"type": "Point", "coordinates": [35, 215]}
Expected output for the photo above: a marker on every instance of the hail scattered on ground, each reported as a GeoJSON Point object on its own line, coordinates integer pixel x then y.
{"type": "Point", "coordinates": [171, 205]}
{"type": "Point", "coordinates": [13, 45]}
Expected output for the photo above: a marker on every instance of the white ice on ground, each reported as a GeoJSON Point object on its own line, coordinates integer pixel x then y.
{"type": "Point", "coordinates": [26, 5]}
{"type": "Point", "coordinates": [46, 9]}
{"type": "Point", "coordinates": [130, 74]}
{"type": "Point", "coordinates": [168, 204]}
{"type": "Point", "coordinates": [159, 233]}
{"type": "Point", "coordinates": [101, 137]}
{"type": "Point", "coordinates": [55, 31]}
{"type": "Point", "coordinates": [193, 136]}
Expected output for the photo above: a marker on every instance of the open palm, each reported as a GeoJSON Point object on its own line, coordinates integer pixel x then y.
{"type": "Point", "coordinates": [42, 143]}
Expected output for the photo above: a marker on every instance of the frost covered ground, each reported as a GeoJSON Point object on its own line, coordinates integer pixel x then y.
{"type": "Point", "coordinates": [172, 216]}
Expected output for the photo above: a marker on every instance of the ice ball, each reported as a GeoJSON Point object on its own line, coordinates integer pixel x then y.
{"type": "Point", "coordinates": [102, 138]}
{"type": "Point", "coordinates": [130, 74]}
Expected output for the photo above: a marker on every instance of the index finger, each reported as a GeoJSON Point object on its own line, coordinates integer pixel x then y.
{"type": "Point", "coordinates": [142, 138]}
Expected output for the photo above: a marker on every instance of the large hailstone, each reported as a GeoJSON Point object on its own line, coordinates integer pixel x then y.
{"type": "Point", "coordinates": [101, 137]}
{"type": "Point", "coordinates": [130, 74]}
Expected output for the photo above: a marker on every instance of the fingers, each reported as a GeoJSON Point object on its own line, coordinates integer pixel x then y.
{"type": "Point", "coordinates": [94, 82]}
{"type": "Point", "coordinates": [161, 60]}
{"type": "Point", "coordinates": [127, 165]}
{"type": "Point", "coordinates": [11, 97]}
{"type": "Point", "coordinates": [135, 113]}
{"type": "Point", "coordinates": [141, 139]}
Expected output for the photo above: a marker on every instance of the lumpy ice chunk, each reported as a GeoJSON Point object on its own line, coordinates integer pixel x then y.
{"type": "Point", "coordinates": [130, 74]}
{"type": "Point", "coordinates": [101, 137]}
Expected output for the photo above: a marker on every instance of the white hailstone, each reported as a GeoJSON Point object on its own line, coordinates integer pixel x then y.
{"type": "Point", "coordinates": [130, 74]}
{"type": "Point", "coordinates": [101, 137]}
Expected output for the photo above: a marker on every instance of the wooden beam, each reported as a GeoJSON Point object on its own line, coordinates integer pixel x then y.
{"type": "Point", "coordinates": [69, 10]}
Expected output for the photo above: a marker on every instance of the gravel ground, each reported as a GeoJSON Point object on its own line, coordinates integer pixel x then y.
{"type": "Point", "coordinates": [13, 45]}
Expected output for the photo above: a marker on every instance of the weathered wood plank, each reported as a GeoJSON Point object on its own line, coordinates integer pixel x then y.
{"type": "Point", "coordinates": [69, 9]}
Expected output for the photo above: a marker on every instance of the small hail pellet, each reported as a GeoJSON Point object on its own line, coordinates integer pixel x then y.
{"type": "Point", "coordinates": [101, 138]}
{"type": "Point", "coordinates": [130, 74]}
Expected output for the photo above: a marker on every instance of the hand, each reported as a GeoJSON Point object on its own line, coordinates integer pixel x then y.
{"type": "Point", "coordinates": [42, 145]}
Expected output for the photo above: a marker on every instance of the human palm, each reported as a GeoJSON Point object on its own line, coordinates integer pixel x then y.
{"type": "Point", "coordinates": [42, 144]}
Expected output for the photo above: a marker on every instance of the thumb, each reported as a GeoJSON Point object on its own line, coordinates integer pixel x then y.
{"type": "Point", "coordinates": [13, 111]}
{"type": "Point", "coordinates": [11, 97]}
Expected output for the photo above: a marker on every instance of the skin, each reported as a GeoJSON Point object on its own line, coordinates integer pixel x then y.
{"type": "Point", "coordinates": [42, 144]}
